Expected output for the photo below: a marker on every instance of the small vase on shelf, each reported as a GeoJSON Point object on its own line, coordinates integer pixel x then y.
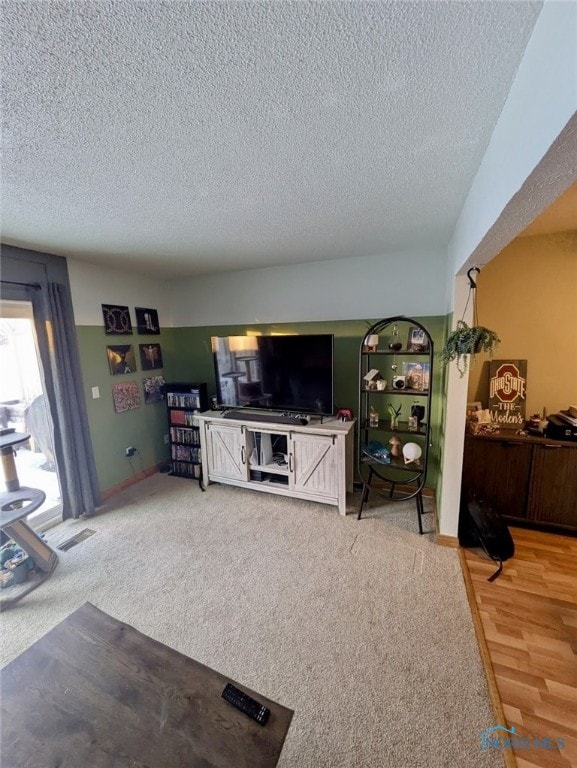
{"type": "Point", "coordinates": [373, 418]}
{"type": "Point", "coordinates": [418, 410]}
{"type": "Point", "coordinates": [394, 414]}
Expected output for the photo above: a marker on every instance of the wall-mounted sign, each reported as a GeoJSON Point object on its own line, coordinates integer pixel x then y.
{"type": "Point", "coordinates": [507, 392]}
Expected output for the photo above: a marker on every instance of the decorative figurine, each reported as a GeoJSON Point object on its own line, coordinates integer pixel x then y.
{"type": "Point", "coordinates": [412, 453]}
{"type": "Point", "coordinates": [395, 444]}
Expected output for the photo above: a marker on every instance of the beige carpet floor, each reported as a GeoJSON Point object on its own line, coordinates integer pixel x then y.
{"type": "Point", "coordinates": [363, 628]}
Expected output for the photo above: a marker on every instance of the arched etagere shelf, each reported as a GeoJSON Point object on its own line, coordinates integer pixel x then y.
{"type": "Point", "coordinates": [395, 374]}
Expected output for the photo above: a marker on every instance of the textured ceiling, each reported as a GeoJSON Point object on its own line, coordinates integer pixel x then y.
{"type": "Point", "coordinates": [192, 137]}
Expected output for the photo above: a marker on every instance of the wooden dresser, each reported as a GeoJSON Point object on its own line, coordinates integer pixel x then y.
{"type": "Point", "coordinates": [527, 479]}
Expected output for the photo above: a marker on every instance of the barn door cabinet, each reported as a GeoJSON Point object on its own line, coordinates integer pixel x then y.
{"type": "Point", "coordinates": [312, 461]}
{"type": "Point", "coordinates": [527, 479]}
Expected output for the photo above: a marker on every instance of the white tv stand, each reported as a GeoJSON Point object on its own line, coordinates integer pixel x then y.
{"type": "Point", "coordinates": [316, 462]}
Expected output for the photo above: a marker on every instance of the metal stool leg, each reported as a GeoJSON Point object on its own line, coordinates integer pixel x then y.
{"type": "Point", "coordinates": [420, 510]}
{"type": "Point", "coordinates": [365, 492]}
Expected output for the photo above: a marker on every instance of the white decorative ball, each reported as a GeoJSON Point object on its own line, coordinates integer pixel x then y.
{"type": "Point", "coordinates": [412, 452]}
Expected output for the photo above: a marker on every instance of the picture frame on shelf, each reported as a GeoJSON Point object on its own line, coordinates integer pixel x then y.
{"type": "Point", "coordinates": [116, 320]}
{"type": "Point", "coordinates": [417, 340]}
{"type": "Point", "coordinates": [472, 407]}
{"type": "Point", "coordinates": [417, 376]}
{"type": "Point", "coordinates": [146, 321]}
{"type": "Point", "coordinates": [121, 359]}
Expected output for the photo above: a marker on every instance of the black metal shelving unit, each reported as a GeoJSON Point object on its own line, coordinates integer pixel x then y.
{"type": "Point", "coordinates": [184, 401]}
{"type": "Point", "coordinates": [413, 360]}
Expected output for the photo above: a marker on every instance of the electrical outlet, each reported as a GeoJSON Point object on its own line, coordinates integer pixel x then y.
{"type": "Point", "coordinates": [166, 439]}
{"type": "Point", "coordinates": [130, 451]}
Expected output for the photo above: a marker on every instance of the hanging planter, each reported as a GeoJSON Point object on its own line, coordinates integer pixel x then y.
{"type": "Point", "coordinates": [465, 342]}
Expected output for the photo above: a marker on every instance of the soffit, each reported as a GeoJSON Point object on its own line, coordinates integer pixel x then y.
{"type": "Point", "coordinates": [560, 216]}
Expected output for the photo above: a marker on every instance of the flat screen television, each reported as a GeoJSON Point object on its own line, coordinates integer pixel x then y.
{"type": "Point", "coordinates": [281, 373]}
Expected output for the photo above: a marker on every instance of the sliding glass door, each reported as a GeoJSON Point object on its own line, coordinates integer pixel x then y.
{"type": "Point", "coordinates": [23, 407]}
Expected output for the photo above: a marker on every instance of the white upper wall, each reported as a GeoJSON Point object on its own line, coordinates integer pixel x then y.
{"type": "Point", "coordinates": [408, 282]}
{"type": "Point", "coordinates": [541, 102]}
{"type": "Point", "coordinates": [92, 285]}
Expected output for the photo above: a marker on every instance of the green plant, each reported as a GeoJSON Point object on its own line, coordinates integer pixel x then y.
{"type": "Point", "coordinates": [394, 414]}
{"type": "Point", "coordinates": [468, 340]}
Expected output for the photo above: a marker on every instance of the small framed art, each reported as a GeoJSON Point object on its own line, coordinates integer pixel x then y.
{"type": "Point", "coordinates": [417, 341]}
{"type": "Point", "coordinates": [121, 359]}
{"type": "Point", "coordinates": [116, 320]}
{"type": "Point", "coordinates": [153, 389]}
{"type": "Point", "coordinates": [146, 321]}
{"type": "Point", "coordinates": [125, 396]}
{"type": "Point", "coordinates": [150, 356]}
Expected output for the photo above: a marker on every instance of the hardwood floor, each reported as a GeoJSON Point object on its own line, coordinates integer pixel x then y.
{"type": "Point", "coordinates": [527, 628]}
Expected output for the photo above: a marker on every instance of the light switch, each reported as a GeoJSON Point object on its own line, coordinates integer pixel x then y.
{"type": "Point", "coordinates": [95, 393]}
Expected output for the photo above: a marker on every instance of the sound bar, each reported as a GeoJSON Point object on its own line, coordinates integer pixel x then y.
{"type": "Point", "coordinates": [265, 416]}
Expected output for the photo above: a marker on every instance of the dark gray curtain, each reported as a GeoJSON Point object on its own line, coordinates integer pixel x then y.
{"type": "Point", "coordinates": [58, 349]}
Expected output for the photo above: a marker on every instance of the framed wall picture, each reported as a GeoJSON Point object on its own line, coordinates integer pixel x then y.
{"type": "Point", "coordinates": [150, 356]}
{"type": "Point", "coordinates": [417, 341]}
{"type": "Point", "coordinates": [146, 321]}
{"type": "Point", "coordinates": [153, 389]}
{"type": "Point", "coordinates": [125, 396]}
{"type": "Point", "coordinates": [116, 320]}
{"type": "Point", "coordinates": [121, 359]}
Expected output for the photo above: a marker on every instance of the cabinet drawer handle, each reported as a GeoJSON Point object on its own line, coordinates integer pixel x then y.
{"type": "Point", "coordinates": [548, 445]}
{"type": "Point", "coordinates": [290, 462]}
{"type": "Point", "coordinates": [511, 444]}
{"type": "Point", "coordinates": [243, 455]}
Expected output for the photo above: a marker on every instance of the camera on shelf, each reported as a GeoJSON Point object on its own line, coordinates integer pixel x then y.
{"type": "Point", "coordinates": [399, 382]}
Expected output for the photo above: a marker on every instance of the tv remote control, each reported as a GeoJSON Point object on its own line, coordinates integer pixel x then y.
{"type": "Point", "coordinates": [246, 704]}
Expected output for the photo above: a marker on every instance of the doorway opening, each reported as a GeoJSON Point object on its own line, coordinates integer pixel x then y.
{"type": "Point", "coordinates": [23, 407]}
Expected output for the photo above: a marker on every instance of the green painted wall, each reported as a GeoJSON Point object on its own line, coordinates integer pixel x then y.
{"type": "Point", "coordinates": [187, 356]}
{"type": "Point", "coordinates": [111, 432]}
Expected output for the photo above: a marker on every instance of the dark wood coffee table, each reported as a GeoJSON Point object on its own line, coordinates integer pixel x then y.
{"type": "Point", "coordinates": [96, 692]}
